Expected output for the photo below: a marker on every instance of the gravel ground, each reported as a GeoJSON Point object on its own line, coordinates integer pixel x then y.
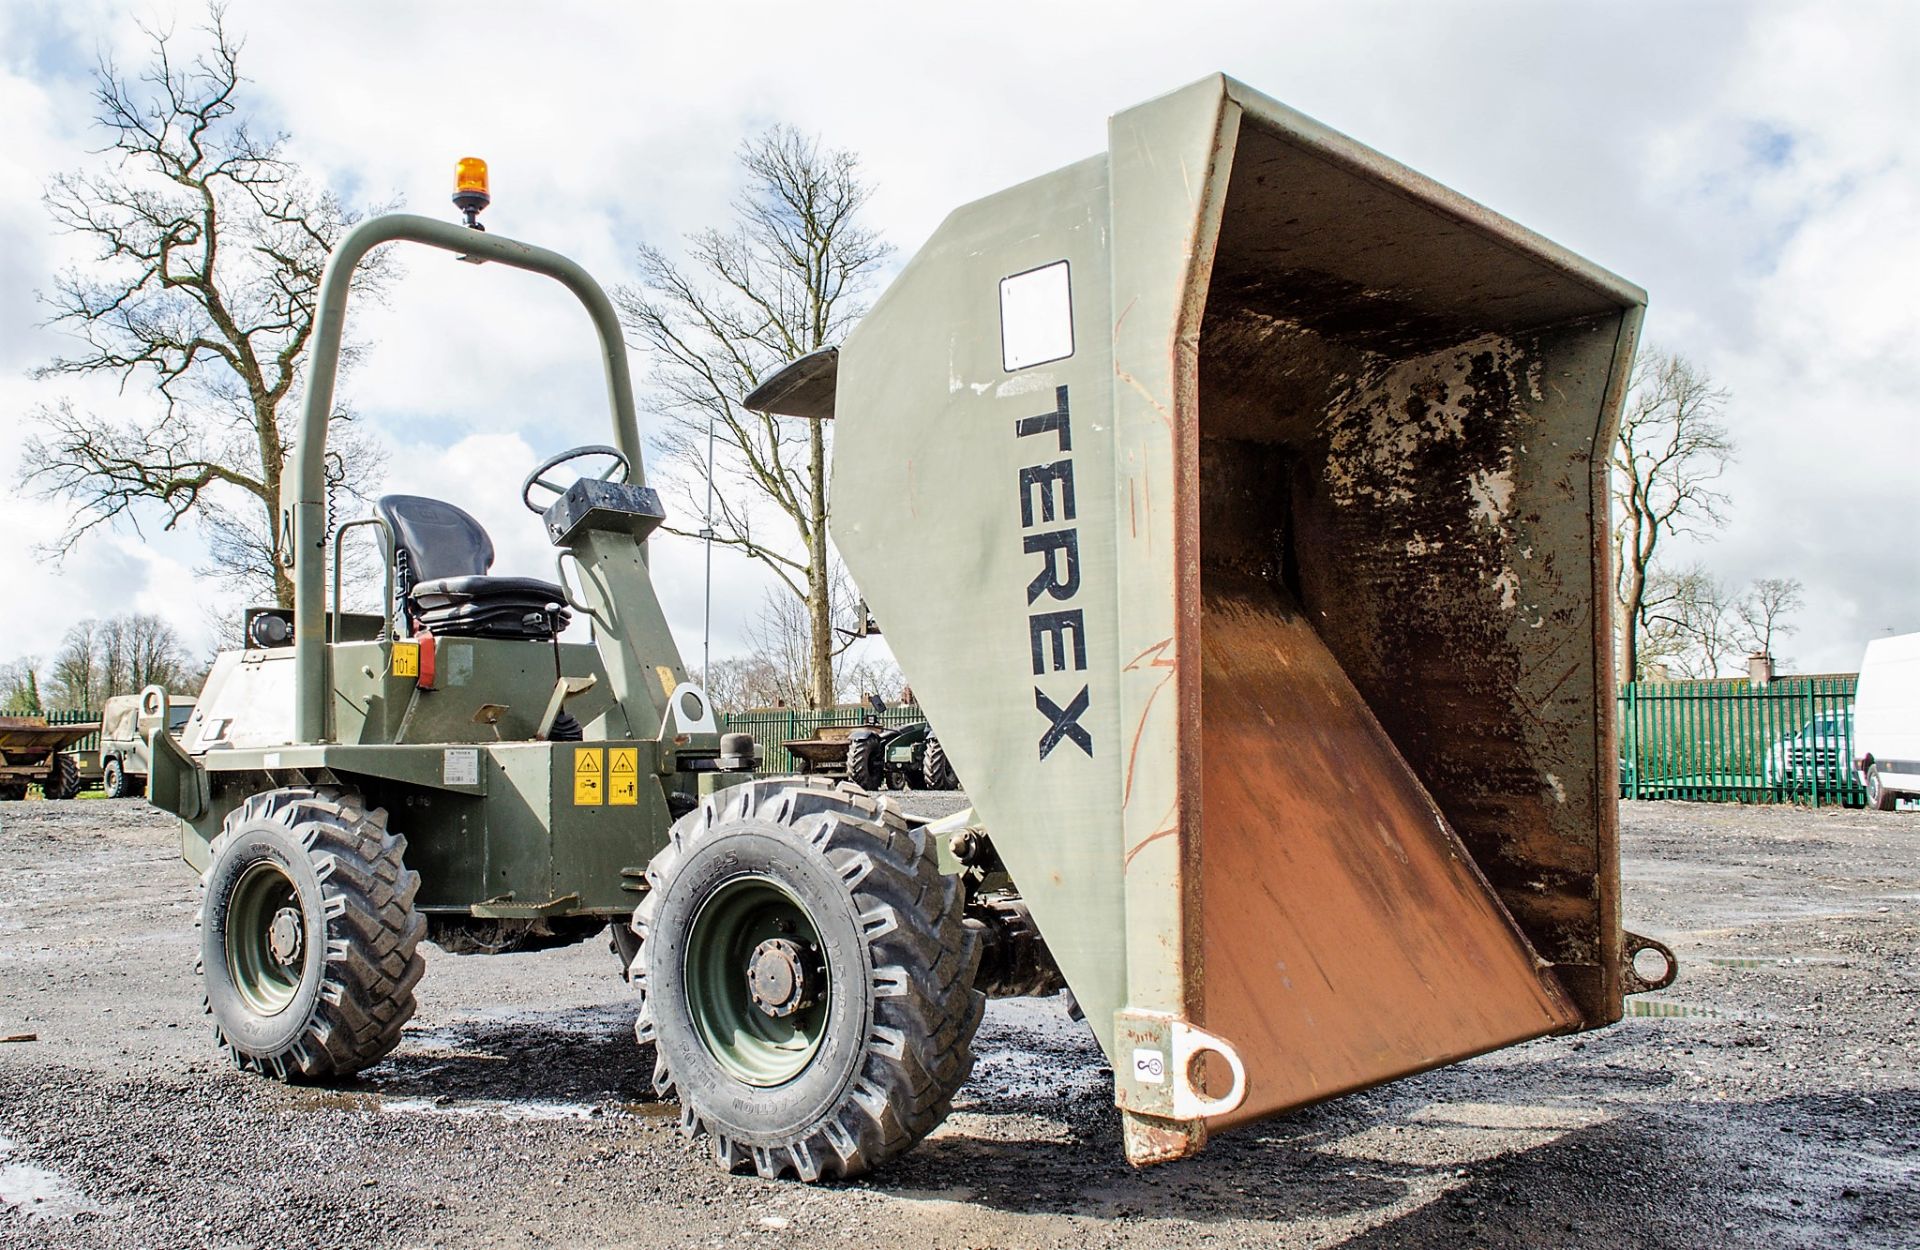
{"type": "Point", "coordinates": [1771, 1097]}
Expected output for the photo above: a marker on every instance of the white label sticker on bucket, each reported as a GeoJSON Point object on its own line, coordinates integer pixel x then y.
{"type": "Point", "coordinates": [1149, 1066]}
{"type": "Point", "coordinates": [1036, 317]}
{"type": "Point", "coordinates": [460, 766]}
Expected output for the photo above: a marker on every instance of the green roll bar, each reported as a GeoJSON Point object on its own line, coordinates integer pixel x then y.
{"type": "Point", "coordinates": [305, 520]}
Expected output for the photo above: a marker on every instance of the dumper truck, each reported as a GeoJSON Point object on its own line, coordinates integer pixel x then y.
{"type": "Point", "coordinates": [34, 753]}
{"type": "Point", "coordinates": [1257, 486]}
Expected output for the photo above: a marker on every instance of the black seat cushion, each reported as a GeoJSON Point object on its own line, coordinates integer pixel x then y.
{"type": "Point", "coordinates": [462, 589]}
{"type": "Point", "coordinates": [441, 558]}
{"type": "Point", "coordinates": [493, 607]}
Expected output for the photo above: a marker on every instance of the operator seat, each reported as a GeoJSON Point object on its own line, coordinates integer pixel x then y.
{"type": "Point", "coordinates": [440, 561]}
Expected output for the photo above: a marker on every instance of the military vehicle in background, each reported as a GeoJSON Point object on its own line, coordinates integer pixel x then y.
{"type": "Point", "coordinates": [120, 764]}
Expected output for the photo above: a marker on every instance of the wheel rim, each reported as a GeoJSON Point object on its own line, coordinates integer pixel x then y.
{"type": "Point", "coordinates": [749, 924]}
{"type": "Point", "coordinates": [265, 938]}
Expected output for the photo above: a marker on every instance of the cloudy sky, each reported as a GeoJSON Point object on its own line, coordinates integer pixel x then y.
{"type": "Point", "coordinates": [1755, 166]}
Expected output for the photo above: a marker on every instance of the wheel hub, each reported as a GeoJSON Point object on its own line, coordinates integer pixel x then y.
{"type": "Point", "coordinates": [783, 977]}
{"type": "Point", "coordinates": [284, 937]}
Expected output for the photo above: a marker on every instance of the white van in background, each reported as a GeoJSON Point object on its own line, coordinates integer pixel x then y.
{"type": "Point", "coordinates": [1886, 732]}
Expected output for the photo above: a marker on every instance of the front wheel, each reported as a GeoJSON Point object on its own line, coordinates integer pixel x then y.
{"type": "Point", "coordinates": [806, 977]}
{"type": "Point", "coordinates": [113, 780]}
{"type": "Point", "coordinates": [309, 941]}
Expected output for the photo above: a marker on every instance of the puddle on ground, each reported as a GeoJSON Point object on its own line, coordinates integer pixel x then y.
{"type": "Point", "coordinates": [1662, 1009]}
{"type": "Point", "coordinates": [516, 1109]}
{"type": "Point", "coordinates": [37, 1192]}
{"type": "Point", "coordinates": [371, 1103]}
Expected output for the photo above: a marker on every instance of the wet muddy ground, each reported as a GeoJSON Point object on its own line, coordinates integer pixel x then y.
{"type": "Point", "coordinates": [1771, 1097]}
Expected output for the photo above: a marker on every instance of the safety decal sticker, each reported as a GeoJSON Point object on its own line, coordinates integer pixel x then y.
{"type": "Point", "coordinates": [589, 777]}
{"type": "Point", "coordinates": [1149, 1066]}
{"type": "Point", "coordinates": [623, 776]}
{"type": "Point", "coordinates": [406, 659]}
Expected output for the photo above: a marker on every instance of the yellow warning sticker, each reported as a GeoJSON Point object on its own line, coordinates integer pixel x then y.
{"type": "Point", "coordinates": [623, 776]}
{"type": "Point", "coordinates": [406, 659]}
{"type": "Point", "coordinates": [666, 678]}
{"type": "Point", "coordinates": [589, 777]}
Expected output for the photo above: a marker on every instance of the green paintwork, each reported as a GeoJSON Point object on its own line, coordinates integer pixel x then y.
{"type": "Point", "coordinates": [265, 980]}
{"type": "Point", "coordinates": [490, 811]}
{"type": "Point", "coordinates": [759, 1049]}
{"type": "Point", "coordinates": [306, 519]}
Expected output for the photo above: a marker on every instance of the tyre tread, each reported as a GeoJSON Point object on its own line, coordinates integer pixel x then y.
{"type": "Point", "coordinates": [919, 1051]}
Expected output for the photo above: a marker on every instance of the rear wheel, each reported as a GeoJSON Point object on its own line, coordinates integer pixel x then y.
{"type": "Point", "coordinates": [308, 935]}
{"type": "Point", "coordinates": [63, 782]}
{"type": "Point", "coordinates": [806, 978]}
{"type": "Point", "coordinates": [936, 768]}
{"type": "Point", "coordinates": [1878, 796]}
{"type": "Point", "coordinates": [865, 767]}
{"type": "Point", "coordinates": [113, 780]}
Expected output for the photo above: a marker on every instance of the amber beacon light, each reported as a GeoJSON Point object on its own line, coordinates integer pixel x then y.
{"type": "Point", "coordinates": [470, 189]}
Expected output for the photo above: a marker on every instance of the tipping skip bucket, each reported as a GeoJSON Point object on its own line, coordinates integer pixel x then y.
{"type": "Point", "coordinates": [1235, 503]}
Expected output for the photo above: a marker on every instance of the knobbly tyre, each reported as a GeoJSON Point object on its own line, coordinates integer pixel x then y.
{"type": "Point", "coordinates": [1269, 648]}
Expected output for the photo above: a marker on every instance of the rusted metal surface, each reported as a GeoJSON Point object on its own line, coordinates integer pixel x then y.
{"type": "Point", "coordinates": [1346, 933]}
{"type": "Point", "coordinates": [27, 738]}
{"type": "Point", "coordinates": [826, 749]}
{"type": "Point", "coordinates": [1413, 411]}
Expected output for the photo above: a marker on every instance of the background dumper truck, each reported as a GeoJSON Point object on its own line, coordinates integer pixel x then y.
{"type": "Point", "coordinates": [34, 753]}
{"type": "Point", "coordinates": [1270, 644]}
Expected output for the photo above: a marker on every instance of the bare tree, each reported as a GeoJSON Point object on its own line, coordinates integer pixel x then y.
{"type": "Point", "coordinates": [1688, 623]}
{"type": "Point", "coordinates": [74, 680]}
{"type": "Point", "coordinates": [211, 246]}
{"type": "Point", "coordinates": [873, 676]}
{"type": "Point", "coordinates": [777, 671]}
{"type": "Point", "coordinates": [100, 659]}
{"type": "Point", "coordinates": [1763, 610]}
{"type": "Point", "coordinates": [1670, 450]}
{"type": "Point", "coordinates": [744, 682]}
{"type": "Point", "coordinates": [788, 276]}
{"type": "Point", "coordinates": [20, 688]}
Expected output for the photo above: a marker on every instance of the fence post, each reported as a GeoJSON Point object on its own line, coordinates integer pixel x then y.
{"type": "Point", "coordinates": [1813, 749]}
{"type": "Point", "coordinates": [1633, 740]}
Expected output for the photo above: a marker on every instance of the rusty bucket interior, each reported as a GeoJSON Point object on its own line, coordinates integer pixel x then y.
{"type": "Point", "coordinates": [1404, 835]}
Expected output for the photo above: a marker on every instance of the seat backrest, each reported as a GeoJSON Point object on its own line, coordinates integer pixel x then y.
{"type": "Point", "coordinates": [432, 539]}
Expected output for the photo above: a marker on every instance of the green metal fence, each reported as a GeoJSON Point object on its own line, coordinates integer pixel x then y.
{"type": "Point", "coordinates": [771, 727]}
{"type": "Point", "coordinates": [1790, 741]}
{"type": "Point", "coordinates": [89, 743]}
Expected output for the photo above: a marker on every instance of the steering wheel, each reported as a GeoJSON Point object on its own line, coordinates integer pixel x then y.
{"type": "Point", "coordinates": [619, 465]}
